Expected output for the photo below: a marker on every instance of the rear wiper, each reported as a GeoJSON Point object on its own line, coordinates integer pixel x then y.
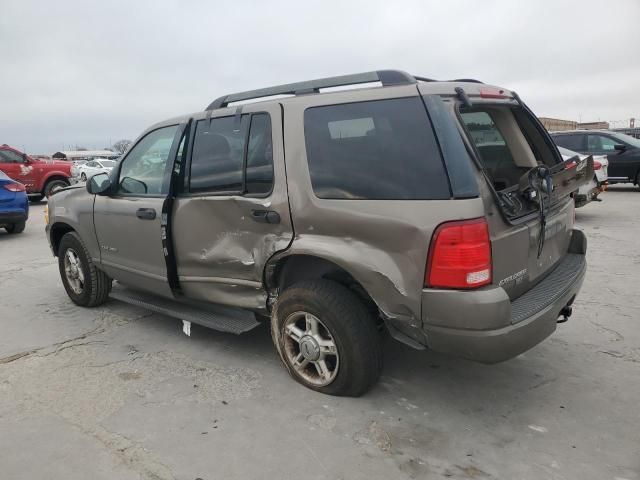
{"type": "Point", "coordinates": [537, 182]}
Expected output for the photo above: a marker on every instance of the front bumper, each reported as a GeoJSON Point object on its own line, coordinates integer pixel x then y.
{"type": "Point", "coordinates": [510, 327]}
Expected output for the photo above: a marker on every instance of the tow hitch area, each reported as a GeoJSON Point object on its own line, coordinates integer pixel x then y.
{"type": "Point", "coordinates": [565, 313]}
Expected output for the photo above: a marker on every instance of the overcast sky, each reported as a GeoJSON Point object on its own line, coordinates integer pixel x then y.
{"type": "Point", "coordinates": [90, 73]}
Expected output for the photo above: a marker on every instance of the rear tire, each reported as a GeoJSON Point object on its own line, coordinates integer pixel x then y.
{"type": "Point", "coordinates": [343, 325]}
{"type": "Point", "coordinates": [53, 185]}
{"type": "Point", "coordinates": [83, 177]}
{"type": "Point", "coordinates": [85, 284]}
{"type": "Point", "coordinates": [15, 227]}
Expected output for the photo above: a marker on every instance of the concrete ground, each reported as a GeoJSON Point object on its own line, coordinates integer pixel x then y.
{"type": "Point", "coordinates": [119, 393]}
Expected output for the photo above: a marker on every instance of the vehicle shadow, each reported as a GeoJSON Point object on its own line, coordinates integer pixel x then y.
{"type": "Point", "coordinates": [418, 374]}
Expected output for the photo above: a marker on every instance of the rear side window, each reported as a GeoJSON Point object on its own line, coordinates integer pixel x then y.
{"type": "Point", "coordinates": [378, 150]}
{"type": "Point", "coordinates": [7, 156]}
{"type": "Point", "coordinates": [259, 156]}
{"type": "Point", "coordinates": [218, 150]}
{"type": "Point", "coordinates": [223, 147]}
{"type": "Point", "coordinates": [572, 142]}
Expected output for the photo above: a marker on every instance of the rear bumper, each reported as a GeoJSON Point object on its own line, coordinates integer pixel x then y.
{"type": "Point", "coordinates": [510, 328]}
{"type": "Point", "coordinates": [9, 218]}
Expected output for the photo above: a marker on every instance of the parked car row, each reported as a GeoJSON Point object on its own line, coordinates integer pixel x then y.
{"type": "Point", "coordinates": [40, 177]}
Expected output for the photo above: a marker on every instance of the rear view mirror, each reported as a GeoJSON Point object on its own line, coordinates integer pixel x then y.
{"type": "Point", "coordinates": [620, 147]}
{"type": "Point", "coordinates": [99, 184]}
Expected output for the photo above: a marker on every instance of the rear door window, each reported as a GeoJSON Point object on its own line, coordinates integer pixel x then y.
{"type": "Point", "coordinates": [572, 142]}
{"type": "Point", "coordinates": [377, 150]}
{"type": "Point", "coordinates": [233, 157]}
{"type": "Point", "coordinates": [7, 156]}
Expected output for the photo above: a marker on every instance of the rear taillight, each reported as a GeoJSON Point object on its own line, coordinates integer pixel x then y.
{"type": "Point", "coordinates": [597, 165]}
{"type": "Point", "coordinates": [460, 255]}
{"type": "Point", "coordinates": [14, 187]}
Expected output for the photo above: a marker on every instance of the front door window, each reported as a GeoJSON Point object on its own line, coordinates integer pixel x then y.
{"type": "Point", "coordinates": [144, 169]}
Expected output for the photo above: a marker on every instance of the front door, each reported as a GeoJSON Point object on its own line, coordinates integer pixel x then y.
{"type": "Point", "coordinates": [620, 168]}
{"type": "Point", "coordinates": [128, 222]}
{"type": "Point", "coordinates": [234, 212]}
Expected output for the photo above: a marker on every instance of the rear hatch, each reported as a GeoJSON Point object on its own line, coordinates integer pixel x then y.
{"type": "Point", "coordinates": [521, 168]}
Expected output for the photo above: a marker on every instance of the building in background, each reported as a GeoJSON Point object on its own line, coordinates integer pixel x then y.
{"type": "Point", "coordinates": [85, 154]}
{"type": "Point", "coordinates": [593, 126]}
{"type": "Point", "coordinates": [557, 125]}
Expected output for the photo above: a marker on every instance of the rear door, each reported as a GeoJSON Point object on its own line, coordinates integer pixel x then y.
{"type": "Point", "coordinates": [234, 212]}
{"type": "Point", "coordinates": [129, 223]}
{"type": "Point", "coordinates": [509, 145]}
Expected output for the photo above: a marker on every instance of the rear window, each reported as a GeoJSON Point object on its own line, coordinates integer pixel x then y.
{"type": "Point", "coordinates": [377, 150]}
{"type": "Point", "coordinates": [508, 143]}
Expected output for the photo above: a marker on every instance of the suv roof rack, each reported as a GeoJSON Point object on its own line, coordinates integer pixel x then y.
{"type": "Point", "coordinates": [386, 77]}
{"type": "Point", "coordinates": [465, 80]}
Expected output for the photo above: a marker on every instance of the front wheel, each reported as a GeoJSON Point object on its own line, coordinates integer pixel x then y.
{"type": "Point", "coordinates": [85, 284]}
{"type": "Point", "coordinates": [15, 227]}
{"type": "Point", "coordinates": [327, 338]}
{"type": "Point", "coordinates": [83, 177]}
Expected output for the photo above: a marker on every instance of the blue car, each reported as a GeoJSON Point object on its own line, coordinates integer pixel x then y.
{"type": "Point", "coordinates": [14, 205]}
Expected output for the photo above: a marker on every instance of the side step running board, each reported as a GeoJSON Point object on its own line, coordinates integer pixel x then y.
{"type": "Point", "coordinates": [217, 317]}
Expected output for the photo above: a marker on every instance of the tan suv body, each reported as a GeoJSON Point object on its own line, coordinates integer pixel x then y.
{"type": "Point", "coordinates": [437, 211]}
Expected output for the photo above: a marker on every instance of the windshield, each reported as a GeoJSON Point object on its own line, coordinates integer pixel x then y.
{"type": "Point", "coordinates": [108, 163]}
{"type": "Point", "coordinates": [628, 139]}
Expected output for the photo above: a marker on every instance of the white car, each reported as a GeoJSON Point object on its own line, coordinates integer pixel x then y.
{"type": "Point", "coordinates": [590, 191]}
{"type": "Point", "coordinates": [94, 166]}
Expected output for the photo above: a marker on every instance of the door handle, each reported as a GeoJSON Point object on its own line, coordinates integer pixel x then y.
{"type": "Point", "coordinates": [146, 213]}
{"type": "Point", "coordinates": [265, 216]}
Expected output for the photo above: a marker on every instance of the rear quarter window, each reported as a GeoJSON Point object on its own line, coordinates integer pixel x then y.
{"type": "Point", "coordinates": [376, 150]}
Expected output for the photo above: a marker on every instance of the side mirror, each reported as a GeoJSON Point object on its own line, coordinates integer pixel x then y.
{"type": "Point", "coordinates": [131, 185]}
{"type": "Point", "coordinates": [25, 159]}
{"type": "Point", "coordinates": [620, 147]}
{"type": "Point", "coordinates": [99, 184]}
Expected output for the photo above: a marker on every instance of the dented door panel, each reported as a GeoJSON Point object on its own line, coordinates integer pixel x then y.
{"type": "Point", "coordinates": [221, 248]}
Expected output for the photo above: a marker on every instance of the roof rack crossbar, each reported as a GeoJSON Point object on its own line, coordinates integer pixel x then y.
{"type": "Point", "coordinates": [386, 77]}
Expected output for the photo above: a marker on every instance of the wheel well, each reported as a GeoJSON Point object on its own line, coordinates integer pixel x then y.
{"type": "Point", "coordinates": [55, 177]}
{"type": "Point", "coordinates": [59, 230]}
{"type": "Point", "coordinates": [295, 268]}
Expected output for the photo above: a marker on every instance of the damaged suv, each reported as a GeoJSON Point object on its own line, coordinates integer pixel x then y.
{"type": "Point", "coordinates": [438, 211]}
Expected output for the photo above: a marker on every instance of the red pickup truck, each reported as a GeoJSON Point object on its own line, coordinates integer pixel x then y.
{"type": "Point", "coordinates": [40, 177]}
